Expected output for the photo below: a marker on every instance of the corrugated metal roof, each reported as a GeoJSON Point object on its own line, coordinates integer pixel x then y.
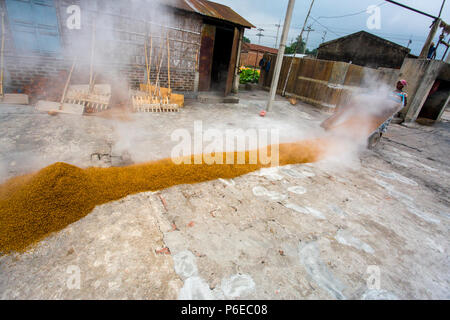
{"type": "Point", "coordinates": [210, 9]}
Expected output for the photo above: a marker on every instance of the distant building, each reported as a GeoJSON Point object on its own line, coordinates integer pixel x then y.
{"type": "Point", "coordinates": [251, 54]}
{"type": "Point", "coordinates": [364, 49]}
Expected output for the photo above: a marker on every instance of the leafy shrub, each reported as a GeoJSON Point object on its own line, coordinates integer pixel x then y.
{"type": "Point", "coordinates": [249, 75]}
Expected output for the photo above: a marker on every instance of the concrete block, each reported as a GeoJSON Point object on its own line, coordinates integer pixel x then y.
{"type": "Point", "coordinates": [15, 99]}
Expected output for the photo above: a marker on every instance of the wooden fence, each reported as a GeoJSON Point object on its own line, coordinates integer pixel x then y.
{"type": "Point", "coordinates": [326, 84]}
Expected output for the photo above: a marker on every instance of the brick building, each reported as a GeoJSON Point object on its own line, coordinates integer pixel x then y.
{"type": "Point", "coordinates": [251, 54]}
{"type": "Point", "coordinates": [364, 49]}
{"type": "Point", "coordinates": [43, 37]}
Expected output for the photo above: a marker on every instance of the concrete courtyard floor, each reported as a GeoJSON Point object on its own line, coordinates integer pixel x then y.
{"type": "Point", "coordinates": [375, 226]}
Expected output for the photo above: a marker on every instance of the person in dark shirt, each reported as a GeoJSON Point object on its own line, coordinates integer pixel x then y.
{"type": "Point", "coordinates": [432, 51]}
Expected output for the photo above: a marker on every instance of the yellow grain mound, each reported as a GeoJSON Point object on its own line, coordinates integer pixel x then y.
{"type": "Point", "coordinates": [35, 205]}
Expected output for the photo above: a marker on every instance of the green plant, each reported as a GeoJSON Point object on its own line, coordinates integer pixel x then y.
{"type": "Point", "coordinates": [249, 75]}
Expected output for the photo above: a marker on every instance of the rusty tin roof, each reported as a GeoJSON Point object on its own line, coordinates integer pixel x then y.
{"type": "Point", "coordinates": [210, 9]}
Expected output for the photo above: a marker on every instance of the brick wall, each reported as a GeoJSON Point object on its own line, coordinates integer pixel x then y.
{"type": "Point", "coordinates": [251, 58]}
{"type": "Point", "coordinates": [119, 55]}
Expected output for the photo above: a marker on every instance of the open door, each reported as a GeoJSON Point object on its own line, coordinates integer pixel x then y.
{"type": "Point", "coordinates": [206, 57]}
{"type": "Point", "coordinates": [233, 62]}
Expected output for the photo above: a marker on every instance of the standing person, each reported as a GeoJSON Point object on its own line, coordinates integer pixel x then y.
{"type": "Point", "coordinates": [399, 96]}
{"type": "Point", "coordinates": [431, 51]}
{"type": "Point", "coordinates": [264, 65]}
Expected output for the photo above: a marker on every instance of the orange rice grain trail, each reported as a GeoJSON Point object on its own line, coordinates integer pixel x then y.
{"type": "Point", "coordinates": [36, 205]}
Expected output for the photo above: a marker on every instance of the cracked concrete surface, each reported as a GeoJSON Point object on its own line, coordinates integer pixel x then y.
{"type": "Point", "coordinates": [307, 231]}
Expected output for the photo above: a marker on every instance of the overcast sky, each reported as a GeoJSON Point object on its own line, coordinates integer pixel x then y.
{"type": "Point", "coordinates": [397, 24]}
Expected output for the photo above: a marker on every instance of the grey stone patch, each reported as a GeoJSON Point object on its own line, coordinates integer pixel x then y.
{"type": "Point", "coordinates": [445, 214]}
{"type": "Point", "coordinates": [309, 254]}
{"type": "Point", "coordinates": [290, 172]}
{"type": "Point", "coordinates": [218, 294]}
{"type": "Point", "coordinates": [392, 192]}
{"type": "Point", "coordinates": [271, 174]}
{"type": "Point", "coordinates": [175, 242]}
{"type": "Point", "coordinates": [229, 182]}
{"type": "Point", "coordinates": [420, 164]}
{"type": "Point", "coordinates": [195, 288]}
{"type": "Point", "coordinates": [373, 294]}
{"type": "Point", "coordinates": [296, 208]}
{"type": "Point", "coordinates": [275, 196]}
{"type": "Point", "coordinates": [337, 210]}
{"type": "Point", "coordinates": [304, 210]}
{"type": "Point", "coordinates": [185, 264]}
{"type": "Point", "coordinates": [307, 173]}
{"type": "Point", "coordinates": [305, 116]}
{"type": "Point", "coordinates": [237, 286]}
{"type": "Point", "coordinates": [434, 246]}
{"type": "Point", "coordinates": [346, 238]}
{"type": "Point", "coordinates": [297, 190]}
{"type": "Point", "coordinates": [419, 213]}
{"type": "Point", "coordinates": [398, 177]}
{"type": "Point", "coordinates": [407, 201]}
{"type": "Point", "coordinates": [260, 191]}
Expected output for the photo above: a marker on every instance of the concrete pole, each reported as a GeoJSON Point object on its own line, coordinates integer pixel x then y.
{"type": "Point", "coordinates": [431, 35]}
{"type": "Point", "coordinates": [283, 92]}
{"type": "Point", "coordinates": [284, 35]}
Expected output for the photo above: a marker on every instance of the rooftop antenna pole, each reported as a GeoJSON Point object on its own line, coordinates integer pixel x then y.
{"type": "Point", "coordinates": [279, 62]}
{"type": "Point", "coordinates": [323, 41]}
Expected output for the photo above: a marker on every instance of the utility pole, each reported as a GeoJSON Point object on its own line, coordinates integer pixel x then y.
{"type": "Point", "coordinates": [259, 35]}
{"type": "Point", "coordinates": [278, 32]}
{"type": "Point", "coordinates": [324, 36]}
{"type": "Point", "coordinates": [279, 62]}
{"type": "Point", "coordinates": [409, 43]}
{"type": "Point", "coordinates": [323, 40]}
{"type": "Point", "coordinates": [308, 30]}
{"type": "Point", "coordinates": [283, 92]}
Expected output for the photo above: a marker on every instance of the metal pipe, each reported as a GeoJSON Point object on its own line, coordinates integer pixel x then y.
{"type": "Point", "coordinates": [442, 7]}
{"type": "Point", "coordinates": [412, 9]}
{"type": "Point", "coordinates": [279, 62]}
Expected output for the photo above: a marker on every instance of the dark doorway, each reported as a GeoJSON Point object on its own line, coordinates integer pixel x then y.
{"type": "Point", "coordinates": [221, 57]}
{"type": "Point", "coordinates": [436, 100]}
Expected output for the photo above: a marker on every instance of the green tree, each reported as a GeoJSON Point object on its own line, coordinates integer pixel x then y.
{"type": "Point", "coordinates": [311, 52]}
{"type": "Point", "coordinates": [296, 44]}
{"type": "Point", "coordinates": [246, 40]}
